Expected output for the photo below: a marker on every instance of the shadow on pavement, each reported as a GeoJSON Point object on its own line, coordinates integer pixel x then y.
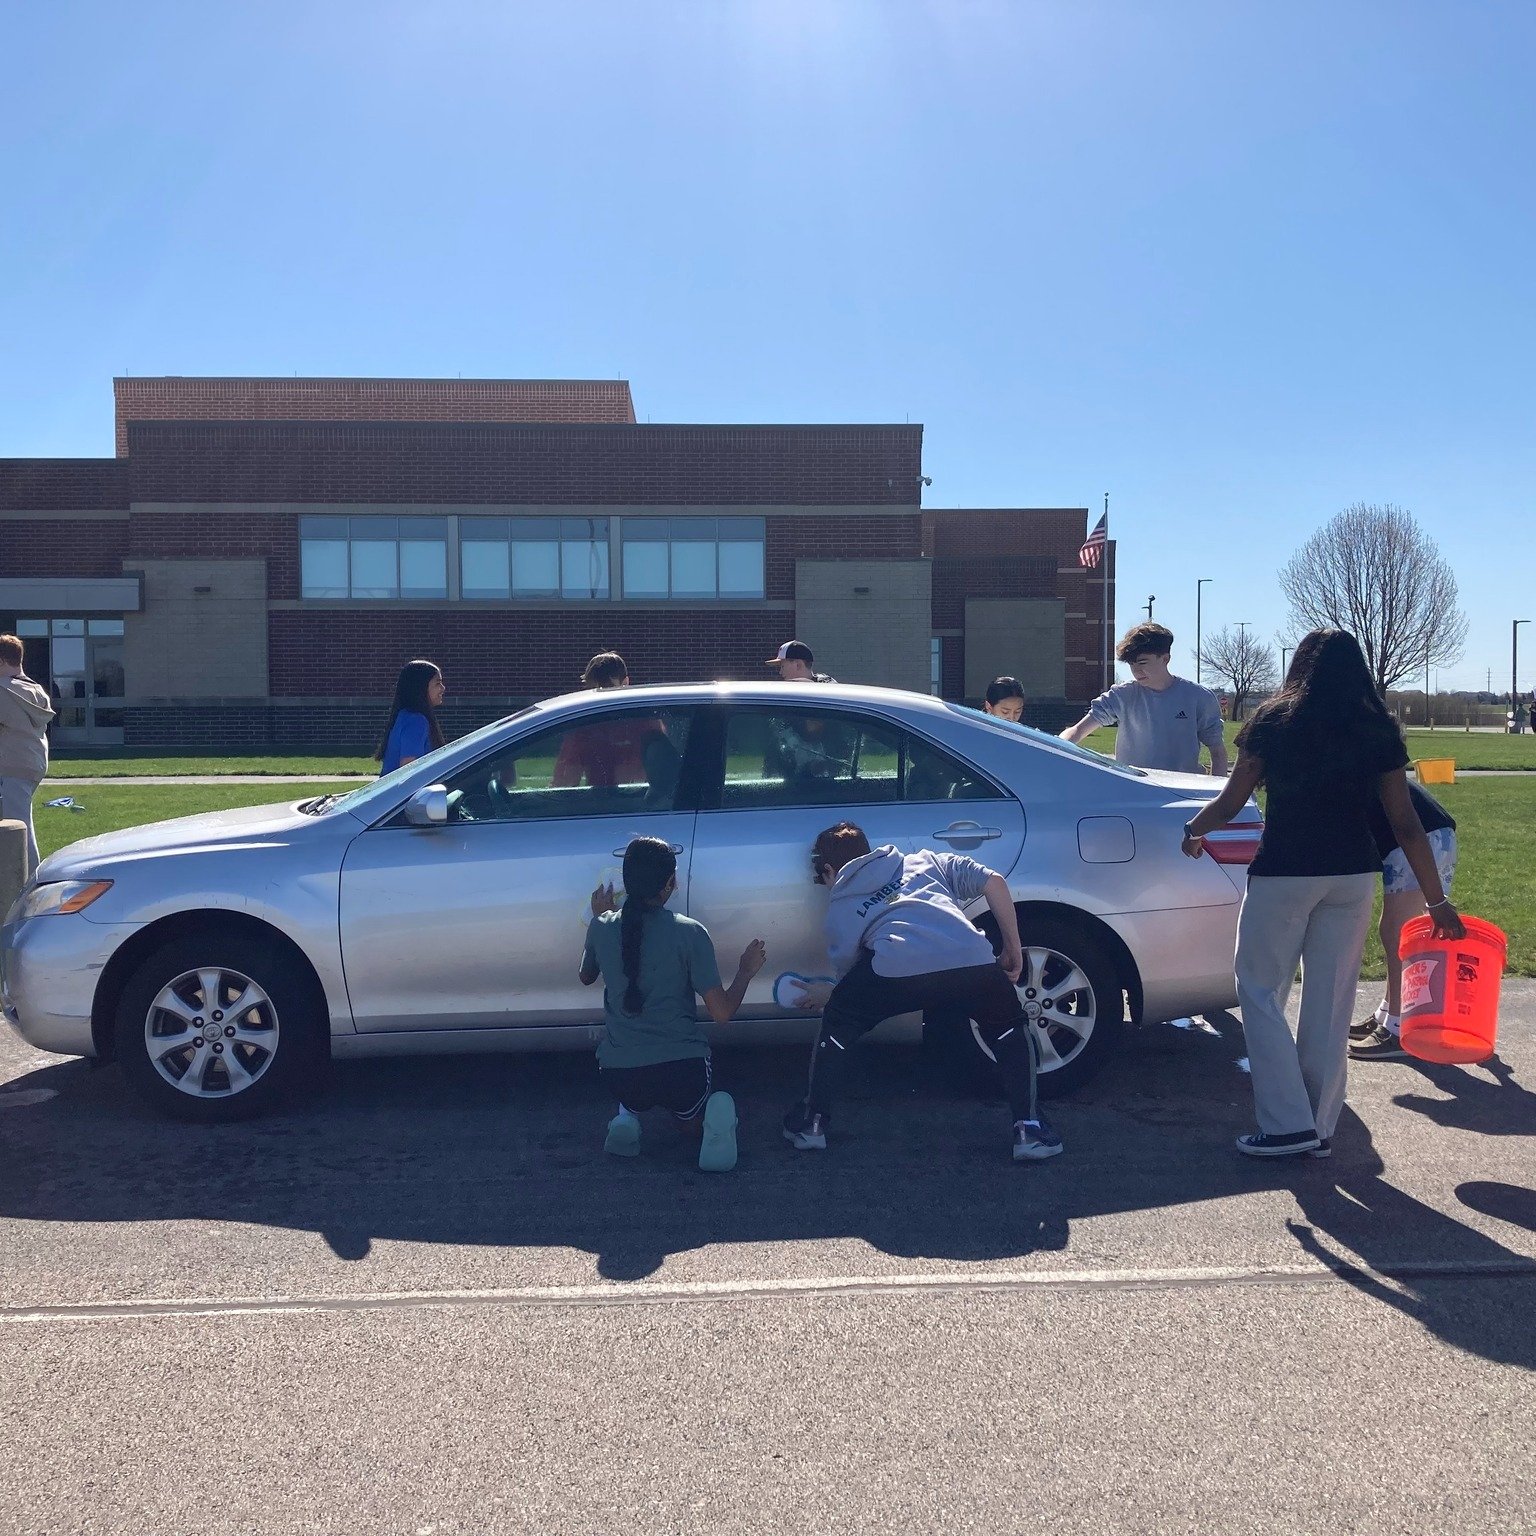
{"type": "Point", "coordinates": [1498, 1108]}
{"type": "Point", "coordinates": [505, 1151]}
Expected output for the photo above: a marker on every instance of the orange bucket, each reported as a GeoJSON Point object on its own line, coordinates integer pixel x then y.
{"type": "Point", "coordinates": [1451, 990]}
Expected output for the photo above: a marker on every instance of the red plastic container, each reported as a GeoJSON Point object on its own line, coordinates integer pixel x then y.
{"type": "Point", "coordinates": [1451, 990]}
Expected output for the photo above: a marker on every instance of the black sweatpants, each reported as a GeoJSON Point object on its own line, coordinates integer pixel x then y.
{"type": "Point", "coordinates": [863, 998]}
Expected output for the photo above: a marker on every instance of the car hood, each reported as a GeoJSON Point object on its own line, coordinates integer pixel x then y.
{"type": "Point", "coordinates": [247, 824]}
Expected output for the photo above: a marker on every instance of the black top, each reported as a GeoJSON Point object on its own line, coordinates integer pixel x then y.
{"type": "Point", "coordinates": [1321, 789]}
{"type": "Point", "coordinates": [1433, 817]}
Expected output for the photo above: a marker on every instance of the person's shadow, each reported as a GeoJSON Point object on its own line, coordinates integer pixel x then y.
{"type": "Point", "coordinates": [1498, 1108]}
{"type": "Point", "coordinates": [1453, 1279]}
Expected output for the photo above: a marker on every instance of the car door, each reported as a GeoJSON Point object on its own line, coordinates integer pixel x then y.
{"type": "Point", "coordinates": [480, 921]}
{"type": "Point", "coordinates": [787, 773]}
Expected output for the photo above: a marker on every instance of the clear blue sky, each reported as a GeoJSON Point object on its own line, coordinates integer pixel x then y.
{"type": "Point", "coordinates": [1239, 264]}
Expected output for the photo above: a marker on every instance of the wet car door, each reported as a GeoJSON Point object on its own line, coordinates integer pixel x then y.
{"type": "Point", "coordinates": [481, 921]}
{"type": "Point", "coordinates": [786, 773]}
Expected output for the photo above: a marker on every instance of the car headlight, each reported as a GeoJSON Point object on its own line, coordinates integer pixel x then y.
{"type": "Point", "coordinates": [58, 897]}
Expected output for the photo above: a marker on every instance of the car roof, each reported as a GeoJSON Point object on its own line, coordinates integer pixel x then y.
{"type": "Point", "coordinates": [756, 692]}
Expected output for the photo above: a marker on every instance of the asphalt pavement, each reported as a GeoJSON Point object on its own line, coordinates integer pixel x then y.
{"type": "Point", "coordinates": [426, 1302]}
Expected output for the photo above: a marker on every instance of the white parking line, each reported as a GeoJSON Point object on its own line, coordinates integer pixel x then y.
{"type": "Point", "coordinates": [653, 1293]}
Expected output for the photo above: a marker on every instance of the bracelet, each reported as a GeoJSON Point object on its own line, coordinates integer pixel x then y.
{"type": "Point", "coordinates": [1444, 901]}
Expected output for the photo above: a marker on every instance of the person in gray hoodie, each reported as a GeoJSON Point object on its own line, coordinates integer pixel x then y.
{"type": "Point", "coordinates": [898, 936]}
{"type": "Point", "coordinates": [25, 713]}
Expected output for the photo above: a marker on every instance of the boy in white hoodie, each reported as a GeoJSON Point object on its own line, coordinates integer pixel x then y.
{"type": "Point", "coordinates": [900, 941]}
{"type": "Point", "coordinates": [25, 711]}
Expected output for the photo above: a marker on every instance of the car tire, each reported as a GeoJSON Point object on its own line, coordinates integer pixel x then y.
{"type": "Point", "coordinates": [1059, 949]}
{"type": "Point", "coordinates": [262, 1043]}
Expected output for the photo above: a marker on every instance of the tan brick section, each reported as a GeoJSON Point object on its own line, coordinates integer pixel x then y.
{"type": "Point", "coordinates": [503, 400]}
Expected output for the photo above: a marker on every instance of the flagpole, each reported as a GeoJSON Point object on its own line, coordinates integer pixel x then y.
{"type": "Point", "coordinates": [1104, 625]}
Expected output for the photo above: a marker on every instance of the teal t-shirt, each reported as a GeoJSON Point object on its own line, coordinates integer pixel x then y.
{"type": "Point", "coordinates": [677, 960]}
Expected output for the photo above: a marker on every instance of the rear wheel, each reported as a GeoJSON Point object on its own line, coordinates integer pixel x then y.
{"type": "Point", "coordinates": [1073, 998]}
{"type": "Point", "coordinates": [220, 1025]}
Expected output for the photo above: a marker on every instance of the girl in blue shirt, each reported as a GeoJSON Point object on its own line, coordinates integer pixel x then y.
{"type": "Point", "coordinates": [413, 730]}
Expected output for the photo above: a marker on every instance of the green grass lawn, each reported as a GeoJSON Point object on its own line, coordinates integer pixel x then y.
{"type": "Point", "coordinates": [111, 807]}
{"type": "Point", "coordinates": [1470, 749]}
{"type": "Point", "coordinates": [122, 765]}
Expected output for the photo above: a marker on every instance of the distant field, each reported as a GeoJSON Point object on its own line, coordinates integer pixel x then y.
{"type": "Point", "coordinates": [1470, 749]}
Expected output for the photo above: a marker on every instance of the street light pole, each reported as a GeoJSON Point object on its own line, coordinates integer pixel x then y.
{"type": "Point", "coordinates": [1285, 650]}
{"type": "Point", "coordinates": [1150, 600]}
{"type": "Point", "coordinates": [1200, 587]}
{"type": "Point", "coordinates": [1514, 665]}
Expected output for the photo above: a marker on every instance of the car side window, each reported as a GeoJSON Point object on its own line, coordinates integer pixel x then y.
{"type": "Point", "coordinates": [615, 762]}
{"type": "Point", "coordinates": [930, 773]}
{"type": "Point", "coordinates": [820, 757]}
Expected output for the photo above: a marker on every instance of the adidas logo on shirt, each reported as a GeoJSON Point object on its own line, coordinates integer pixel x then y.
{"type": "Point", "coordinates": [1182, 715]}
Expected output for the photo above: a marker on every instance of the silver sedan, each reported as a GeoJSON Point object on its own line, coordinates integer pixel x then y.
{"type": "Point", "coordinates": [222, 958]}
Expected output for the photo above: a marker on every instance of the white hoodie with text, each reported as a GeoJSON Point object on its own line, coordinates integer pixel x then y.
{"type": "Point", "coordinates": [906, 909]}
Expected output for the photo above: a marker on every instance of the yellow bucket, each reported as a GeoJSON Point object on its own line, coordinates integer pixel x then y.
{"type": "Point", "coordinates": [1436, 770]}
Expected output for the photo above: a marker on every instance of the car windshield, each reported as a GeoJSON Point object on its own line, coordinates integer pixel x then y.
{"type": "Point", "coordinates": [1045, 739]}
{"type": "Point", "coordinates": [359, 800]}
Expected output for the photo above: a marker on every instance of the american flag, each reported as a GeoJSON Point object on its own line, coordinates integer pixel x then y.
{"type": "Point", "coordinates": [1093, 551]}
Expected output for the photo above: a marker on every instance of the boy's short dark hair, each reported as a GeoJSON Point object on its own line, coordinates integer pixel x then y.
{"type": "Point", "coordinates": [605, 670]}
{"type": "Point", "coordinates": [840, 845]}
{"type": "Point", "coordinates": [1145, 640]}
{"type": "Point", "coordinates": [12, 652]}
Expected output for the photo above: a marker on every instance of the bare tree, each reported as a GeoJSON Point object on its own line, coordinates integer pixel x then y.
{"type": "Point", "coordinates": [1243, 662]}
{"type": "Point", "coordinates": [1376, 573]}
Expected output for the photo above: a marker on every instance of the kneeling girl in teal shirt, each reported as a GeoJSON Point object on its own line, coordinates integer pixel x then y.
{"type": "Point", "coordinates": [654, 1052]}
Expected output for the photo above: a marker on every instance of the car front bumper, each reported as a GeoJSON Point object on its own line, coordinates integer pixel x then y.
{"type": "Point", "coordinates": [49, 968]}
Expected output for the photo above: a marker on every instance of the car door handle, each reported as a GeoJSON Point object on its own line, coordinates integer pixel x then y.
{"type": "Point", "coordinates": [676, 848]}
{"type": "Point", "coordinates": [970, 834]}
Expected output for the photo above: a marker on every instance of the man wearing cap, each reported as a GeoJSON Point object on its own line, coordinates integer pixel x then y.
{"type": "Point", "coordinates": [797, 664]}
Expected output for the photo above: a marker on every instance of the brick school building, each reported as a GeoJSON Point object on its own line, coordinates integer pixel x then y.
{"type": "Point", "coordinates": [251, 567]}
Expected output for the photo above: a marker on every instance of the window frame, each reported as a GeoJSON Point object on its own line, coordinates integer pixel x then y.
{"type": "Point", "coordinates": [352, 530]}
{"type": "Point", "coordinates": [633, 530]}
{"type": "Point", "coordinates": [685, 800]}
{"type": "Point", "coordinates": [712, 734]}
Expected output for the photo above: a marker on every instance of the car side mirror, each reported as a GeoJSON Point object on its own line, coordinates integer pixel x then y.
{"type": "Point", "coordinates": [428, 807]}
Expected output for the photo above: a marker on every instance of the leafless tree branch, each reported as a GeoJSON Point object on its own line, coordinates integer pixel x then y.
{"type": "Point", "coordinates": [1243, 663]}
{"type": "Point", "coordinates": [1373, 571]}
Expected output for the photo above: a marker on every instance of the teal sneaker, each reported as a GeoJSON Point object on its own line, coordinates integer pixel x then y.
{"type": "Point", "coordinates": [717, 1150]}
{"type": "Point", "coordinates": [623, 1138]}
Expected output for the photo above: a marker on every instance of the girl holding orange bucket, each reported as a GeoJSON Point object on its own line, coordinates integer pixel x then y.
{"type": "Point", "coordinates": [1326, 750]}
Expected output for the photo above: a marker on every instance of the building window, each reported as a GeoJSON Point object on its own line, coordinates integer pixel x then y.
{"type": "Point", "coordinates": [374, 557]}
{"type": "Point", "coordinates": [507, 557]}
{"type": "Point", "coordinates": [936, 666]}
{"type": "Point", "coordinates": [693, 557]}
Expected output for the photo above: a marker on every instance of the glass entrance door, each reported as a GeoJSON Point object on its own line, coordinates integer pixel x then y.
{"type": "Point", "coordinates": [80, 662]}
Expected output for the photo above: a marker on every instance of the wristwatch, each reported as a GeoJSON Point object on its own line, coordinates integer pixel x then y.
{"type": "Point", "coordinates": [1190, 835]}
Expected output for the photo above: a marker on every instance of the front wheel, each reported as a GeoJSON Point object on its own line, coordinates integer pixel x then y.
{"type": "Point", "coordinates": [1073, 999]}
{"type": "Point", "coordinates": [220, 1025]}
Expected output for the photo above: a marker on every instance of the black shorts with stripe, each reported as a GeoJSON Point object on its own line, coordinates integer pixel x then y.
{"type": "Point", "coordinates": [678, 1086]}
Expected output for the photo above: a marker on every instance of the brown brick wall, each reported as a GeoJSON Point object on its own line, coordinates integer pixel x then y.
{"type": "Point", "coordinates": [790, 538]}
{"type": "Point", "coordinates": [231, 535]}
{"type": "Point", "coordinates": [337, 654]}
{"type": "Point", "coordinates": [505, 400]}
{"type": "Point", "coordinates": [1001, 576]}
{"type": "Point", "coordinates": [47, 547]}
{"type": "Point", "coordinates": [538, 465]}
{"type": "Point", "coordinates": [63, 485]}
{"type": "Point", "coordinates": [981, 533]}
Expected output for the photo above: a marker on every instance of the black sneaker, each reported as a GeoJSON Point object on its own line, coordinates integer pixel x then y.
{"type": "Point", "coordinates": [1324, 1148]}
{"type": "Point", "coordinates": [1293, 1144]}
{"type": "Point", "coordinates": [1380, 1045]}
{"type": "Point", "coordinates": [1366, 1027]}
{"type": "Point", "coordinates": [805, 1130]}
{"type": "Point", "coordinates": [1033, 1141]}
